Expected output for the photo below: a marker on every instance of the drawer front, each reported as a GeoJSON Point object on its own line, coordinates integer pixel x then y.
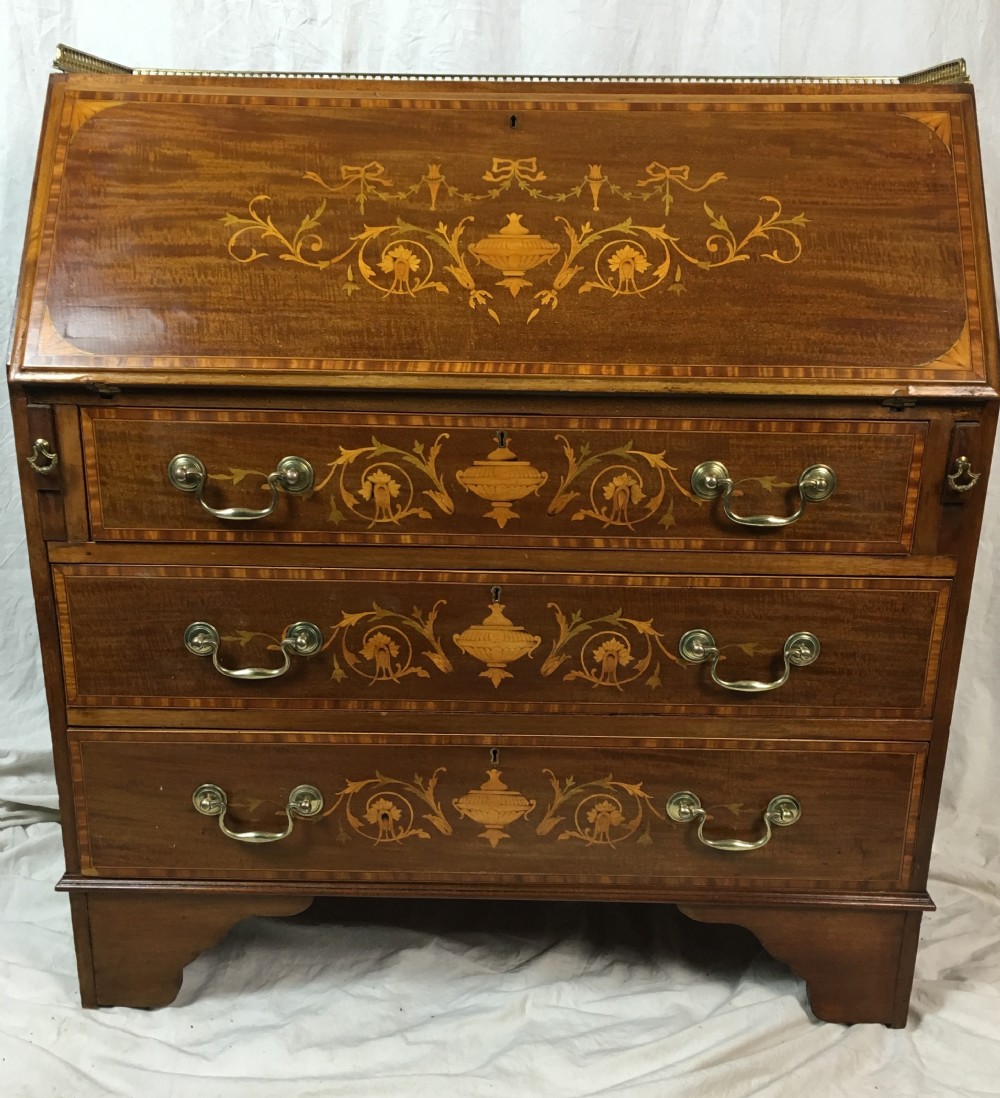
{"type": "Point", "coordinates": [426, 810]}
{"type": "Point", "coordinates": [555, 481]}
{"type": "Point", "coordinates": [487, 642]}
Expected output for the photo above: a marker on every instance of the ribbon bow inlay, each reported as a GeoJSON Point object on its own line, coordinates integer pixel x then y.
{"type": "Point", "coordinates": [504, 170]}
{"type": "Point", "coordinates": [372, 172]}
{"type": "Point", "coordinates": [660, 173]}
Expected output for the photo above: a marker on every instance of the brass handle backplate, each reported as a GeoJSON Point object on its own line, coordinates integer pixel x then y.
{"type": "Point", "coordinates": [304, 801]}
{"type": "Point", "coordinates": [782, 811]}
{"type": "Point", "coordinates": [698, 645]}
{"type": "Point", "coordinates": [301, 639]}
{"type": "Point", "coordinates": [292, 474]}
{"type": "Point", "coordinates": [963, 468]}
{"type": "Point", "coordinates": [43, 457]}
{"type": "Point", "coordinates": [711, 479]}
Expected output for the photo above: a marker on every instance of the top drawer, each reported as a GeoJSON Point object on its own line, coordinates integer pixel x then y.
{"type": "Point", "coordinates": [539, 481]}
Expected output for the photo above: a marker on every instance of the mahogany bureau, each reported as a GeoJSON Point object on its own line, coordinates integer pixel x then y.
{"type": "Point", "coordinates": [540, 488]}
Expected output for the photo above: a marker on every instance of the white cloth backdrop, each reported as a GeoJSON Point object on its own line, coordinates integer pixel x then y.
{"type": "Point", "coordinates": [488, 1000]}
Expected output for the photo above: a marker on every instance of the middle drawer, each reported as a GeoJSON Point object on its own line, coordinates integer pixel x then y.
{"type": "Point", "coordinates": [335, 639]}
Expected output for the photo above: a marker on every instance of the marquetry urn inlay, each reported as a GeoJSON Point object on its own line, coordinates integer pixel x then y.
{"type": "Point", "coordinates": [404, 258]}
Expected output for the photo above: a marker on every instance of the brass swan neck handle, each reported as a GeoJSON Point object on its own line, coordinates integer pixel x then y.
{"type": "Point", "coordinates": [304, 801]}
{"type": "Point", "coordinates": [301, 639]}
{"type": "Point", "coordinates": [698, 646]}
{"type": "Point", "coordinates": [782, 811]}
{"type": "Point", "coordinates": [711, 480]}
{"type": "Point", "coordinates": [292, 474]}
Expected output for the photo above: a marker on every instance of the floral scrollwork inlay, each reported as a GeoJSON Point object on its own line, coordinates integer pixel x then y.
{"type": "Point", "coordinates": [387, 810]}
{"type": "Point", "coordinates": [384, 646]}
{"type": "Point", "coordinates": [375, 483]}
{"type": "Point", "coordinates": [620, 487]}
{"type": "Point", "coordinates": [403, 258]}
{"type": "Point", "coordinates": [382, 809]}
{"type": "Point", "coordinates": [608, 651]}
{"type": "Point", "coordinates": [603, 812]}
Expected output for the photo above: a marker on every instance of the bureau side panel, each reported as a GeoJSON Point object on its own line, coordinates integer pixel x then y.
{"type": "Point", "coordinates": [44, 504]}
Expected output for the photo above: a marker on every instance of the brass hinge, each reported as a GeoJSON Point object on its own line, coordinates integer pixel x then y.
{"type": "Point", "coordinates": [70, 59]}
{"type": "Point", "coordinates": [102, 389]}
{"type": "Point", "coordinates": [898, 404]}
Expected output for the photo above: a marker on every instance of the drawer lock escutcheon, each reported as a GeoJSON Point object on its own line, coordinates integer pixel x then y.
{"type": "Point", "coordinates": [711, 479]}
{"type": "Point", "coordinates": [782, 811]}
{"type": "Point", "coordinates": [698, 645]}
{"type": "Point", "coordinates": [301, 639]}
{"type": "Point", "coordinates": [304, 802]}
{"type": "Point", "coordinates": [293, 474]}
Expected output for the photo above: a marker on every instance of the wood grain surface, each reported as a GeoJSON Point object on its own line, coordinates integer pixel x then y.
{"type": "Point", "coordinates": [613, 483]}
{"type": "Point", "coordinates": [136, 947]}
{"type": "Point", "coordinates": [423, 641]}
{"type": "Point", "coordinates": [503, 323]}
{"type": "Point", "coordinates": [239, 229]}
{"type": "Point", "coordinates": [414, 811]}
{"type": "Point", "coordinates": [858, 965]}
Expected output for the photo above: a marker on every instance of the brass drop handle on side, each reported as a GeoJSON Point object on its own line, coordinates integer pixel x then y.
{"type": "Point", "coordinates": [301, 639]}
{"type": "Point", "coordinates": [782, 811]}
{"type": "Point", "coordinates": [711, 479]}
{"type": "Point", "coordinates": [43, 457]}
{"type": "Point", "coordinates": [304, 802]}
{"type": "Point", "coordinates": [292, 474]}
{"type": "Point", "coordinates": [698, 645]}
{"type": "Point", "coordinates": [963, 468]}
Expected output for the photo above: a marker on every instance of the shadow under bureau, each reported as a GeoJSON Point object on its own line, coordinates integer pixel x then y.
{"type": "Point", "coordinates": [456, 488]}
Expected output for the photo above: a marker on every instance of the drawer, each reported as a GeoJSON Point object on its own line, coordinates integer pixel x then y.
{"type": "Point", "coordinates": [486, 642]}
{"type": "Point", "coordinates": [555, 481]}
{"type": "Point", "coordinates": [424, 810]}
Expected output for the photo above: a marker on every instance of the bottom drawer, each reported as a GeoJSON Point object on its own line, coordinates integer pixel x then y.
{"type": "Point", "coordinates": [436, 810]}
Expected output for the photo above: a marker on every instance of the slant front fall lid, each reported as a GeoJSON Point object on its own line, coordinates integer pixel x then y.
{"type": "Point", "coordinates": [799, 238]}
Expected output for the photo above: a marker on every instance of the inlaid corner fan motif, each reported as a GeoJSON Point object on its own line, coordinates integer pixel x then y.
{"type": "Point", "coordinates": [465, 254]}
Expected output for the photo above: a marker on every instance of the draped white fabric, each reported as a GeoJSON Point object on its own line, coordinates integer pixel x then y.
{"type": "Point", "coordinates": [497, 1000]}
